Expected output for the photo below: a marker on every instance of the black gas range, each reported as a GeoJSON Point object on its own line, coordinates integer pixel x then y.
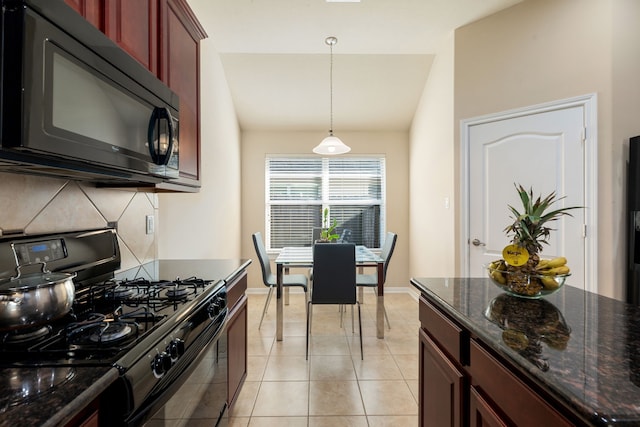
{"type": "Point", "coordinates": [153, 329]}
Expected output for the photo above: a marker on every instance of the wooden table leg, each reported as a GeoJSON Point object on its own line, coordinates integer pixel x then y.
{"type": "Point", "coordinates": [380, 302]}
{"type": "Point", "coordinates": [279, 303]}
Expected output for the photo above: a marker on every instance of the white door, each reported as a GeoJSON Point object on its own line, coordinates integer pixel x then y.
{"type": "Point", "coordinates": [543, 151]}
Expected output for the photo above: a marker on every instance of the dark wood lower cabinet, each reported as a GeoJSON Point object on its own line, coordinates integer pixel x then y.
{"type": "Point", "coordinates": [88, 417]}
{"type": "Point", "coordinates": [482, 413]}
{"type": "Point", "coordinates": [464, 383]}
{"type": "Point", "coordinates": [236, 337]}
{"type": "Point", "coordinates": [443, 385]}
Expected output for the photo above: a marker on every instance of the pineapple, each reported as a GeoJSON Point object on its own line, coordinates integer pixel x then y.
{"type": "Point", "coordinates": [530, 231]}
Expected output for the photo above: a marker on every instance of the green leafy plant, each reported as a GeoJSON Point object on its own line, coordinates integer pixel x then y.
{"type": "Point", "coordinates": [530, 226]}
{"type": "Point", "coordinates": [327, 233]}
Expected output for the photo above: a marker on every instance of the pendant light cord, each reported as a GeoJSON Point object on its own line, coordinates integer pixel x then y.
{"type": "Point", "coordinates": [331, 89]}
{"type": "Point", "coordinates": [331, 41]}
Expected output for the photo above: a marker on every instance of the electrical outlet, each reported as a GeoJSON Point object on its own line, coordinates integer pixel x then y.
{"type": "Point", "coordinates": [150, 224]}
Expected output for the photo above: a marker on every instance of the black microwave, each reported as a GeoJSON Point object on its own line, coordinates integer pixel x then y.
{"type": "Point", "coordinates": [75, 105]}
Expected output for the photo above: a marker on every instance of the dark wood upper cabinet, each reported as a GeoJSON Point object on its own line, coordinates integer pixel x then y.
{"type": "Point", "coordinates": [164, 36]}
{"type": "Point", "coordinates": [180, 70]}
{"type": "Point", "coordinates": [133, 25]}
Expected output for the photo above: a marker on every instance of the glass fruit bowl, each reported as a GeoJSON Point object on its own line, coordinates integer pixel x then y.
{"type": "Point", "coordinates": [525, 285]}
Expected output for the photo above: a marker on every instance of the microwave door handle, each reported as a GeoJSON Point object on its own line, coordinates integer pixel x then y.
{"type": "Point", "coordinates": [159, 114]}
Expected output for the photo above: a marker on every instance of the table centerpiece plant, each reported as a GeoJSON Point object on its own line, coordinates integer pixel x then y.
{"type": "Point", "coordinates": [521, 271]}
{"type": "Point", "coordinates": [327, 233]}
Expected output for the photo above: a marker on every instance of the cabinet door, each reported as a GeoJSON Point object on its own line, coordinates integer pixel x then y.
{"type": "Point", "coordinates": [442, 387]}
{"type": "Point", "coordinates": [482, 414]}
{"type": "Point", "coordinates": [133, 25]}
{"type": "Point", "coordinates": [237, 349]}
{"type": "Point", "coordinates": [180, 70]}
{"type": "Point", "coordinates": [519, 402]}
{"type": "Point", "coordinates": [91, 10]}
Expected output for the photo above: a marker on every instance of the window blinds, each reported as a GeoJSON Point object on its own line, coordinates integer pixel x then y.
{"type": "Point", "coordinates": [300, 188]}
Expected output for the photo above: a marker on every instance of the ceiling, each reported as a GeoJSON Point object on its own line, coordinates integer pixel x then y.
{"type": "Point", "coordinates": [277, 63]}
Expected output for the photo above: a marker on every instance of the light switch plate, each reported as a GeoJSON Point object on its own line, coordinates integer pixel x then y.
{"type": "Point", "coordinates": [150, 224]}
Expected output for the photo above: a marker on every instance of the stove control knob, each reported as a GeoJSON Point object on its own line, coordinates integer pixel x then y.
{"type": "Point", "coordinates": [176, 349]}
{"type": "Point", "coordinates": [213, 309]}
{"type": "Point", "coordinates": [160, 364]}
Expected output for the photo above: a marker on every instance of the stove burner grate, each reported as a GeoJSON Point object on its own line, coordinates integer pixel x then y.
{"type": "Point", "coordinates": [25, 336]}
{"type": "Point", "coordinates": [101, 330]}
{"type": "Point", "coordinates": [177, 292]}
{"type": "Point", "coordinates": [110, 332]}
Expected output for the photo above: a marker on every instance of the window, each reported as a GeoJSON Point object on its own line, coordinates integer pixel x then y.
{"type": "Point", "coordinates": [300, 188]}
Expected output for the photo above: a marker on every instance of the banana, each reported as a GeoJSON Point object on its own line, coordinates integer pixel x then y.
{"type": "Point", "coordinates": [563, 269]}
{"type": "Point", "coordinates": [498, 277]}
{"type": "Point", "coordinates": [542, 264]}
{"type": "Point", "coordinates": [549, 283]}
{"type": "Point", "coordinates": [552, 263]}
{"type": "Point", "coordinates": [498, 265]}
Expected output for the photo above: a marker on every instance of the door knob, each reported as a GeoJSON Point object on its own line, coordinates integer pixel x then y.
{"type": "Point", "coordinates": [476, 242]}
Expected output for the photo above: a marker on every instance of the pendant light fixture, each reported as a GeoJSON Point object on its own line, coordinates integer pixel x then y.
{"type": "Point", "coordinates": [331, 145]}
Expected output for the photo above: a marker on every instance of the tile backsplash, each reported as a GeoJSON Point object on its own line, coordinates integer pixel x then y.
{"type": "Point", "coordinates": [34, 205]}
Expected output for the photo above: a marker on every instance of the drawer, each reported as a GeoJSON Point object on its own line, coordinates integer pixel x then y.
{"type": "Point", "coordinates": [523, 406]}
{"type": "Point", "coordinates": [450, 337]}
{"type": "Point", "coordinates": [236, 289]}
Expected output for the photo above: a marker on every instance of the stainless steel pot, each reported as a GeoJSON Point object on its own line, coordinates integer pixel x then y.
{"type": "Point", "coordinates": [36, 298]}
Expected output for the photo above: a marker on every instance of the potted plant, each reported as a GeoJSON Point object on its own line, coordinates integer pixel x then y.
{"type": "Point", "coordinates": [327, 234]}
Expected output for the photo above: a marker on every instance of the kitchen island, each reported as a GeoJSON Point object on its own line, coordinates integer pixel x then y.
{"type": "Point", "coordinates": [488, 358]}
{"type": "Point", "coordinates": [72, 394]}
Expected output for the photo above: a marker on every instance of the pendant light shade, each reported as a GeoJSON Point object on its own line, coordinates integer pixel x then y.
{"type": "Point", "coordinates": [331, 145]}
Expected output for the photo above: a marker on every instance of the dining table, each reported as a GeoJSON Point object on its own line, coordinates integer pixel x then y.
{"type": "Point", "coordinates": [302, 257]}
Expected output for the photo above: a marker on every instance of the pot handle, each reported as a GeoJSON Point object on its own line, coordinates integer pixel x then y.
{"type": "Point", "coordinates": [19, 273]}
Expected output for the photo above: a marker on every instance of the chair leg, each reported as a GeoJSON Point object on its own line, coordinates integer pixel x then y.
{"type": "Point", "coordinates": [360, 326]}
{"type": "Point", "coordinates": [352, 330]}
{"type": "Point", "coordinates": [266, 306]}
{"type": "Point", "coordinates": [308, 328]}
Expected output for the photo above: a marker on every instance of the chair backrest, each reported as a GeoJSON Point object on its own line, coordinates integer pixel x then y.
{"type": "Point", "coordinates": [345, 237]}
{"type": "Point", "coordinates": [387, 250]}
{"type": "Point", "coordinates": [334, 273]}
{"type": "Point", "coordinates": [265, 264]}
{"type": "Point", "coordinates": [315, 234]}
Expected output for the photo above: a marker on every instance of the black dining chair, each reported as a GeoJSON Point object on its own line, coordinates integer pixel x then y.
{"type": "Point", "coordinates": [334, 280]}
{"type": "Point", "coordinates": [269, 279]}
{"type": "Point", "coordinates": [315, 234]}
{"type": "Point", "coordinates": [371, 280]}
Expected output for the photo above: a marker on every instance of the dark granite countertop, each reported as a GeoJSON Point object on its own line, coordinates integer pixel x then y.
{"type": "Point", "coordinates": [62, 392]}
{"type": "Point", "coordinates": [584, 349]}
{"type": "Point", "coordinates": [54, 399]}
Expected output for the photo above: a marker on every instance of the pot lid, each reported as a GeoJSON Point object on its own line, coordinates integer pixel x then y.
{"type": "Point", "coordinates": [33, 281]}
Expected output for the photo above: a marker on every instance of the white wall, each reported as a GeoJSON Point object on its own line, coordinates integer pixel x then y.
{"type": "Point", "coordinates": [432, 243]}
{"type": "Point", "coordinates": [534, 52]}
{"type": "Point", "coordinates": [394, 145]}
{"type": "Point", "coordinates": [207, 224]}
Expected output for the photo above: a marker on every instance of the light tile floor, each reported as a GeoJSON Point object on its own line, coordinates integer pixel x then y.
{"type": "Point", "coordinates": [334, 387]}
